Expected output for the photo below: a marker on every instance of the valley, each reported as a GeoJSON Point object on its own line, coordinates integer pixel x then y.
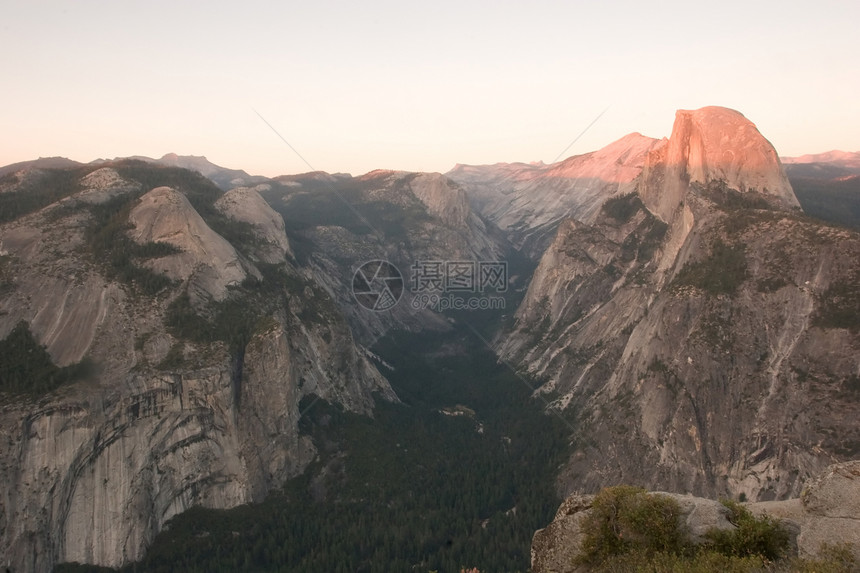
{"type": "Point", "coordinates": [189, 380]}
{"type": "Point", "coordinates": [416, 487]}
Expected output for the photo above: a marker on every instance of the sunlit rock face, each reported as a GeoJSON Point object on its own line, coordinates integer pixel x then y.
{"type": "Point", "coordinates": [712, 144]}
{"type": "Point", "coordinates": [528, 201]}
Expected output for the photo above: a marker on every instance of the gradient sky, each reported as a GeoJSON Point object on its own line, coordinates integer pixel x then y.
{"type": "Point", "coordinates": [420, 87]}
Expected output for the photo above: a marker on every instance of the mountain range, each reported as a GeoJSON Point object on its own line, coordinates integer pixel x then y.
{"type": "Point", "coordinates": [686, 307]}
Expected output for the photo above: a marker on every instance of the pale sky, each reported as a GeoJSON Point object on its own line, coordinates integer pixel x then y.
{"type": "Point", "coordinates": [355, 86]}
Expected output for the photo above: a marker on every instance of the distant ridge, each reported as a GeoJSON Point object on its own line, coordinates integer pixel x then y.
{"type": "Point", "coordinates": [842, 158]}
{"type": "Point", "coordinates": [223, 177]}
{"type": "Point", "coordinates": [41, 163]}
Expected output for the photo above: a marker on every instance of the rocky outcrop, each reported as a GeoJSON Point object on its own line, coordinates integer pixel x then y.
{"type": "Point", "coordinates": [92, 471]}
{"type": "Point", "coordinates": [528, 201]}
{"type": "Point", "coordinates": [702, 352]}
{"type": "Point", "coordinates": [826, 513]}
{"type": "Point", "coordinates": [248, 206]}
{"type": "Point", "coordinates": [64, 302]}
{"type": "Point", "coordinates": [212, 263]}
{"type": "Point", "coordinates": [441, 198]}
{"type": "Point", "coordinates": [104, 184]}
{"type": "Point", "coordinates": [447, 203]}
{"type": "Point", "coordinates": [555, 548]}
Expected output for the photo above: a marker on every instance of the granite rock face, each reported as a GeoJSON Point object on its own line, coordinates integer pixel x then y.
{"type": "Point", "coordinates": [694, 327]}
{"type": "Point", "coordinates": [712, 144]}
{"type": "Point", "coordinates": [248, 206]}
{"type": "Point", "coordinates": [92, 471]}
{"type": "Point", "coordinates": [165, 215]}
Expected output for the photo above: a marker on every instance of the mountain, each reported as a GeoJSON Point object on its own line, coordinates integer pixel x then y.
{"type": "Point", "coordinates": [179, 328]}
{"type": "Point", "coordinates": [712, 144]}
{"type": "Point", "coordinates": [280, 347]}
{"type": "Point", "coordinates": [338, 223]}
{"type": "Point", "coordinates": [223, 177]}
{"type": "Point", "coordinates": [845, 159]}
{"type": "Point", "coordinates": [41, 163]}
{"type": "Point", "coordinates": [700, 331]}
{"type": "Point", "coordinates": [152, 359]}
{"type": "Point", "coordinates": [528, 201]}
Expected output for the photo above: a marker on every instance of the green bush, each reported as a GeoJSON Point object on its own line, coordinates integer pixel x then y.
{"type": "Point", "coordinates": [753, 536]}
{"type": "Point", "coordinates": [639, 561]}
{"type": "Point", "coordinates": [625, 519]}
{"type": "Point", "coordinates": [629, 529]}
{"type": "Point", "coordinates": [832, 558]}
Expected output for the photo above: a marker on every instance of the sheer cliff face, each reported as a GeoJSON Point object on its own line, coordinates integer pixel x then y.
{"type": "Point", "coordinates": [712, 144]}
{"type": "Point", "coordinates": [699, 332]}
{"type": "Point", "coordinates": [170, 419]}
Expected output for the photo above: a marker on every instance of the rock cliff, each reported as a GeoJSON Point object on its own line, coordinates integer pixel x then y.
{"type": "Point", "coordinates": [248, 206]}
{"type": "Point", "coordinates": [704, 344]}
{"type": "Point", "coordinates": [178, 410]}
{"type": "Point", "coordinates": [712, 144]}
{"type": "Point", "coordinates": [205, 258]}
{"type": "Point", "coordinates": [338, 223]}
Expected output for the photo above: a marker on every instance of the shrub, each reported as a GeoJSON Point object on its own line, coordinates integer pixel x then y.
{"type": "Point", "coordinates": [701, 562]}
{"type": "Point", "coordinates": [629, 529]}
{"type": "Point", "coordinates": [625, 519]}
{"type": "Point", "coordinates": [762, 536]}
{"type": "Point", "coordinates": [832, 558]}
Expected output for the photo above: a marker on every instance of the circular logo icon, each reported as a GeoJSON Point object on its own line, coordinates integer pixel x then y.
{"type": "Point", "coordinates": [377, 285]}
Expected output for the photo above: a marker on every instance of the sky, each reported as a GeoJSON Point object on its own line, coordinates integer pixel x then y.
{"type": "Point", "coordinates": [357, 86]}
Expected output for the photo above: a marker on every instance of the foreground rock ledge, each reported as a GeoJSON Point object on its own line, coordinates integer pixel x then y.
{"type": "Point", "coordinates": [828, 511]}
